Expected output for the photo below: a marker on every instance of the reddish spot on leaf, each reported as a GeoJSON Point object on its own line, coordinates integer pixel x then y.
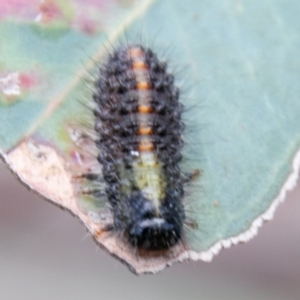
{"type": "Point", "coordinates": [14, 84]}
{"type": "Point", "coordinates": [27, 81]}
{"type": "Point", "coordinates": [88, 26]}
{"type": "Point", "coordinates": [49, 11]}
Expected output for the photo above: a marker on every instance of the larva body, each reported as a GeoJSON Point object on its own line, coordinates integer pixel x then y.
{"type": "Point", "coordinates": [139, 129]}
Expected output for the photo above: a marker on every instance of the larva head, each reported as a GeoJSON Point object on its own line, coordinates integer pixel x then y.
{"type": "Point", "coordinates": [152, 229]}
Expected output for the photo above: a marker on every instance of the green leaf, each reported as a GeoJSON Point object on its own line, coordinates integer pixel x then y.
{"type": "Point", "coordinates": [242, 117]}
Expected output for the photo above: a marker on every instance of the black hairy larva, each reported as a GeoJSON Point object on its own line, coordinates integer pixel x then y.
{"type": "Point", "coordinates": [139, 138]}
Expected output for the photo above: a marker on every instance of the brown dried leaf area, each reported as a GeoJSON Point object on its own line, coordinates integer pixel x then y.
{"type": "Point", "coordinates": [47, 173]}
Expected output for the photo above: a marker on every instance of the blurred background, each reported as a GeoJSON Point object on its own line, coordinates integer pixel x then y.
{"type": "Point", "coordinates": [45, 253]}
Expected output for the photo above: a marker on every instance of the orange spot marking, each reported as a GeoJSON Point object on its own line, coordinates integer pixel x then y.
{"type": "Point", "coordinates": [144, 109]}
{"type": "Point", "coordinates": [145, 146]}
{"type": "Point", "coordinates": [139, 65]}
{"type": "Point", "coordinates": [98, 232]}
{"type": "Point", "coordinates": [143, 85]}
{"type": "Point", "coordinates": [144, 131]}
{"type": "Point", "coordinates": [134, 52]}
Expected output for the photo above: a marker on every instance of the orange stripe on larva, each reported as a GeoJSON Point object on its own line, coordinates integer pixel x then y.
{"type": "Point", "coordinates": [144, 109]}
{"type": "Point", "coordinates": [135, 52]}
{"type": "Point", "coordinates": [139, 65]}
{"type": "Point", "coordinates": [142, 85]}
{"type": "Point", "coordinates": [144, 131]}
{"type": "Point", "coordinates": [145, 146]}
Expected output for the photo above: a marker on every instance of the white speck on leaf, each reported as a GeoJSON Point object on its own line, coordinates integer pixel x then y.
{"type": "Point", "coordinates": [9, 84]}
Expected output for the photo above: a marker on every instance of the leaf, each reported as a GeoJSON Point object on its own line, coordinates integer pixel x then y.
{"type": "Point", "coordinates": [242, 117]}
